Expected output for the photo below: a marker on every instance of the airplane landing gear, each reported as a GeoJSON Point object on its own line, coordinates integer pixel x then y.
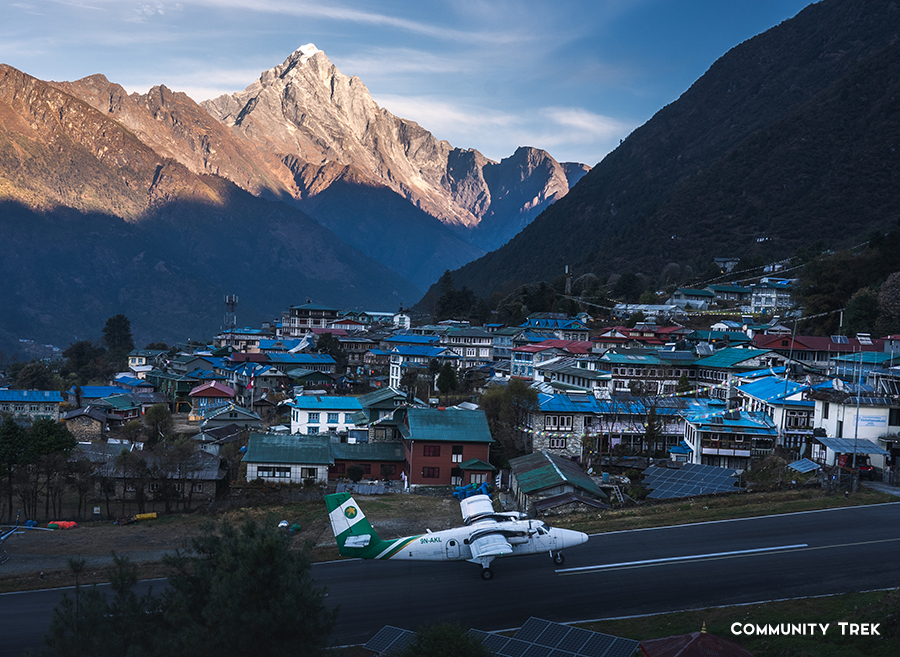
{"type": "Point", "coordinates": [558, 558]}
{"type": "Point", "coordinates": [486, 574]}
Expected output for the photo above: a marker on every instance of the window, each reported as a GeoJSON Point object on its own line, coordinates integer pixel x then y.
{"type": "Point", "coordinates": [197, 488]}
{"type": "Point", "coordinates": [308, 473]}
{"type": "Point", "coordinates": [551, 421]}
{"type": "Point", "coordinates": [457, 455]}
{"type": "Point", "coordinates": [388, 469]}
{"type": "Point", "coordinates": [130, 487]}
{"type": "Point", "coordinates": [565, 422]}
{"type": "Point", "coordinates": [557, 443]}
{"type": "Point", "coordinates": [477, 477]}
{"type": "Point", "coordinates": [338, 468]}
{"type": "Point", "coordinates": [431, 473]}
{"type": "Point", "coordinates": [312, 430]}
{"type": "Point", "coordinates": [273, 472]}
{"type": "Point", "coordinates": [154, 487]}
{"type": "Point", "coordinates": [894, 416]}
{"type": "Point", "coordinates": [312, 418]}
{"type": "Point", "coordinates": [824, 410]}
{"type": "Point", "coordinates": [347, 418]}
{"type": "Point", "coordinates": [431, 450]}
{"type": "Point", "coordinates": [333, 418]}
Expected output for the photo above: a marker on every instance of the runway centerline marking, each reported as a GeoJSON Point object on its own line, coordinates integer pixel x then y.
{"type": "Point", "coordinates": [690, 557]}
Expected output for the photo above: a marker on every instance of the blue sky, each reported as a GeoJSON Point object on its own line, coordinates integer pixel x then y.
{"type": "Point", "coordinates": [570, 76]}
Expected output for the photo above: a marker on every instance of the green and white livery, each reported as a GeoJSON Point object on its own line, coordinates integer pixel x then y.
{"type": "Point", "coordinates": [485, 535]}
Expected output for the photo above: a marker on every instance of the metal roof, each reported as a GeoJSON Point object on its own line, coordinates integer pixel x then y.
{"type": "Point", "coordinates": [300, 358]}
{"type": "Point", "coordinates": [476, 464]}
{"type": "Point", "coordinates": [272, 448]}
{"type": "Point", "coordinates": [368, 451]}
{"type": "Point", "coordinates": [731, 357]}
{"type": "Point", "coordinates": [746, 423]}
{"type": "Point", "coordinates": [326, 403]}
{"type": "Point", "coordinates": [849, 446]}
{"type": "Point", "coordinates": [45, 396]}
{"type": "Point", "coordinates": [538, 471]}
{"type": "Point", "coordinates": [804, 465]}
{"type": "Point", "coordinates": [771, 388]}
{"type": "Point", "coordinates": [450, 425]}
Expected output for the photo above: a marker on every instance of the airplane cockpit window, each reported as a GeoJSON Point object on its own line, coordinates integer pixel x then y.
{"type": "Point", "coordinates": [542, 529]}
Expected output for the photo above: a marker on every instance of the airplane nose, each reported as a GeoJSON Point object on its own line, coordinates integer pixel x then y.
{"type": "Point", "coordinates": [571, 538]}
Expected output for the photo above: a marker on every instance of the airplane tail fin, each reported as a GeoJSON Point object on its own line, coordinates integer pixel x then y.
{"type": "Point", "coordinates": [353, 532]}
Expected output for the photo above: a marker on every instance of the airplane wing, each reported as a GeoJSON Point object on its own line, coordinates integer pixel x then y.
{"type": "Point", "coordinates": [490, 545]}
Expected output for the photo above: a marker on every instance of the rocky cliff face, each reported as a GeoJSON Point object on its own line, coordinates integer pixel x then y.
{"type": "Point", "coordinates": [176, 127]}
{"type": "Point", "coordinates": [321, 121]}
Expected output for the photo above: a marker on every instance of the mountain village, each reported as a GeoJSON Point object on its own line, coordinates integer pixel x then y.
{"type": "Point", "coordinates": [322, 396]}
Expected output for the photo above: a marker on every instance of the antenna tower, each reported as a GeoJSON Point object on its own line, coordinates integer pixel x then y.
{"type": "Point", "coordinates": [230, 317]}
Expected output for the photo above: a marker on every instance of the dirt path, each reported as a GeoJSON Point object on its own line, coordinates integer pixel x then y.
{"type": "Point", "coordinates": [40, 559]}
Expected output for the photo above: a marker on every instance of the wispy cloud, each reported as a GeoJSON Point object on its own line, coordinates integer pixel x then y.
{"type": "Point", "coordinates": [585, 123]}
{"type": "Point", "coordinates": [568, 133]}
{"type": "Point", "coordinates": [400, 61]}
{"type": "Point", "coordinates": [335, 12]}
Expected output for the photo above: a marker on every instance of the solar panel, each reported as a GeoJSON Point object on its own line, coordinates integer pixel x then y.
{"type": "Point", "coordinates": [389, 638]}
{"type": "Point", "coordinates": [532, 629]}
{"type": "Point", "coordinates": [574, 640]}
{"type": "Point", "coordinates": [515, 648]}
{"type": "Point", "coordinates": [597, 645]}
{"type": "Point", "coordinates": [690, 479]}
{"type": "Point", "coordinates": [537, 650]}
{"type": "Point", "coordinates": [558, 640]}
{"type": "Point", "coordinates": [552, 635]}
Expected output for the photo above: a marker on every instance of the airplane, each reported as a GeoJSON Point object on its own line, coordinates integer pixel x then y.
{"type": "Point", "coordinates": [485, 535]}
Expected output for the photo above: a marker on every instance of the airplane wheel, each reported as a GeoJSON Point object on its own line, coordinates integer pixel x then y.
{"type": "Point", "coordinates": [559, 558]}
{"type": "Point", "coordinates": [486, 574]}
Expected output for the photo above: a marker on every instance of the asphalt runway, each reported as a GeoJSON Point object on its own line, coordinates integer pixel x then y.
{"type": "Point", "coordinates": [617, 574]}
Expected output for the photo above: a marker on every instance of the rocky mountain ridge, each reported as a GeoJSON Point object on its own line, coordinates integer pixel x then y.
{"type": "Point", "coordinates": [318, 119]}
{"type": "Point", "coordinates": [97, 223]}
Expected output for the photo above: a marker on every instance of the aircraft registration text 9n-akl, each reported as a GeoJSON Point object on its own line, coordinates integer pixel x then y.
{"type": "Point", "coordinates": [485, 535]}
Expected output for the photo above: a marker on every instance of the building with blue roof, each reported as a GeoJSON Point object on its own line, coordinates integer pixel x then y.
{"type": "Point", "coordinates": [405, 356]}
{"type": "Point", "coordinates": [785, 402]}
{"type": "Point", "coordinates": [411, 339]}
{"type": "Point", "coordinates": [578, 425]}
{"type": "Point", "coordinates": [729, 439]}
{"type": "Point", "coordinates": [556, 325]}
{"type": "Point", "coordinates": [857, 367]}
{"type": "Point", "coordinates": [718, 370]}
{"type": "Point", "coordinates": [316, 362]}
{"type": "Point", "coordinates": [31, 404]}
{"type": "Point", "coordinates": [860, 414]}
{"type": "Point", "coordinates": [87, 394]}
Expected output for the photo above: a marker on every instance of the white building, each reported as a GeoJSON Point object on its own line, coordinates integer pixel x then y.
{"type": "Point", "coordinates": [312, 414]}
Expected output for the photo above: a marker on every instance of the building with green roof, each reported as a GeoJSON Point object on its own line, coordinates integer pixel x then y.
{"type": "Point", "coordinates": [288, 458]}
{"type": "Point", "coordinates": [539, 475]}
{"type": "Point", "coordinates": [439, 441]}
